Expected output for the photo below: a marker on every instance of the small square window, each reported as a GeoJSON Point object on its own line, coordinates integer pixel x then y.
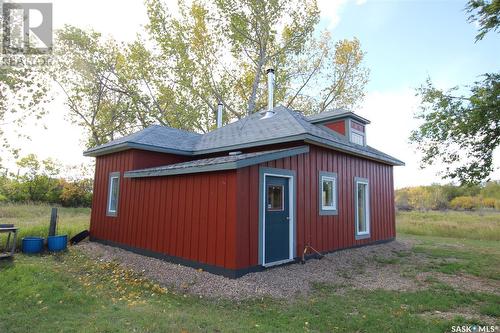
{"type": "Point", "coordinates": [275, 198]}
{"type": "Point", "coordinates": [327, 193]}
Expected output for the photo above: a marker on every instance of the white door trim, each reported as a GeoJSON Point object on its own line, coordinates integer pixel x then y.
{"type": "Point", "coordinates": [290, 175]}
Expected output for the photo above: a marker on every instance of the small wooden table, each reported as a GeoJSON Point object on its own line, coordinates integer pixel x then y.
{"type": "Point", "coordinates": [10, 248]}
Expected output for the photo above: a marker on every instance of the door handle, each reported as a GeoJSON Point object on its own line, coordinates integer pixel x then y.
{"type": "Point", "coordinates": [288, 217]}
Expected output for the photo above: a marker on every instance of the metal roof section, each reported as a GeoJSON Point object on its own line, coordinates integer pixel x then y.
{"type": "Point", "coordinates": [336, 114]}
{"type": "Point", "coordinates": [154, 138]}
{"type": "Point", "coordinates": [228, 162]}
{"type": "Point", "coordinates": [252, 131]}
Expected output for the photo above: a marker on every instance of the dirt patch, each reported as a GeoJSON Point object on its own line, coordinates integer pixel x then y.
{"type": "Point", "coordinates": [467, 313]}
{"type": "Point", "coordinates": [462, 281]}
{"type": "Point", "coordinates": [358, 268]}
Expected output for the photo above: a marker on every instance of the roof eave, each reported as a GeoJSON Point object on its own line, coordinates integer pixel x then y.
{"type": "Point", "coordinates": [132, 145]}
{"type": "Point", "coordinates": [219, 167]}
{"type": "Point", "coordinates": [346, 149]}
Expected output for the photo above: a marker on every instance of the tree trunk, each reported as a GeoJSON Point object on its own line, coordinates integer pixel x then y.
{"type": "Point", "coordinates": [253, 96]}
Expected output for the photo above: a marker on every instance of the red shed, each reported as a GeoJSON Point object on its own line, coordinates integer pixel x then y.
{"type": "Point", "coordinates": [249, 195]}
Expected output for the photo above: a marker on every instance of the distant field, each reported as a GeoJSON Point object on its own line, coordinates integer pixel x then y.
{"type": "Point", "coordinates": [33, 220]}
{"type": "Point", "coordinates": [469, 225]}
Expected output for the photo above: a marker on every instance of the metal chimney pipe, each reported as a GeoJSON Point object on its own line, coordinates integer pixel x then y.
{"type": "Point", "coordinates": [270, 89]}
{"type": "Point", "coordinates": [220, 107]}
{"type": "Point", "coordinates": [270, 94]}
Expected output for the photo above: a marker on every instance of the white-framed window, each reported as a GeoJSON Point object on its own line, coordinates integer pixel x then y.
{"type": "Point", "coordinates": [362, 207]}
{"type": "Point", "coordinates": [357, 133]}
{"type": "Point", "coordinates": [328, 193]}
{"type": "Point", "coordinates": [113, 192]}
{"type": "Point", "coordinates": [275, 200]}
{"type": "Point", "coordinates": [357, 138]}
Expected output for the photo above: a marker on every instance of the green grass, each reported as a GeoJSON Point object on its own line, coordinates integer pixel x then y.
{"type": "Point", "coordinates": [33, 220]}
{"type": "Point", "coordinates": [452, 256]}
{"type": "Point", "coordinates": [468, 225]}
{"type": "Point", "coordinates": [69, 292]}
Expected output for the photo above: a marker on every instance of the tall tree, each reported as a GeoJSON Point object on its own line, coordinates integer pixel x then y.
{"type": "Point", "coordinates": [207, 52]}
{"type": "Point", "coordinates": [220, 51]}
{"type": "Point", "coordinates": [23, 88]}
{"type": "Point", "coordinates": [460, 131]}
{"type": "Point", "coordinates": [463, 131]}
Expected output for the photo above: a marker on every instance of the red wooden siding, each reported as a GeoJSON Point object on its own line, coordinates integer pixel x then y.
{"type": "Point", "coordinates": [187, 216]}
{"type": "Point", "coordinates": [213, 218]}
{"type": "Point", "coordinates": [324, 233]}
{"type": "Point", "coordinates": [337, 126]}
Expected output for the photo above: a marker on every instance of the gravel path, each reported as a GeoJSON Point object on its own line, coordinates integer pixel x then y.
{"type": "Point", "coordinates": [354, 267]}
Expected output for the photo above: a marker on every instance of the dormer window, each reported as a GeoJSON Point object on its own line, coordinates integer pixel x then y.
{"type": "Point", "coordinates": [343, 122]}
{"type": "Point", "coordinates": [357, 133]}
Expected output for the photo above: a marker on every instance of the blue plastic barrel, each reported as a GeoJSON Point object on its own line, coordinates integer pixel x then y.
{"type": "Point", "coordinates": [32, 244]}
{"type": "Point", "coordinates": [57, 243]}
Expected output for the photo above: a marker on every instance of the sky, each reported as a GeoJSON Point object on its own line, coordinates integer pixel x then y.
{"type": "Point", "coordinates": [405, 43]}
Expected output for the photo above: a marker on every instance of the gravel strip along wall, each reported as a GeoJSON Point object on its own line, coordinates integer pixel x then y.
{"type": "Point", "coordinates": [358, 268]}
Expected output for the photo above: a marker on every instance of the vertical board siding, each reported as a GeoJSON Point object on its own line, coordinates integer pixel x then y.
{"type": "Point", "coordinates": [213, 218]}
{"type": "Point", "coordinates": [328, 232]}
{"type": "Point", "coordinates": [188, 216]}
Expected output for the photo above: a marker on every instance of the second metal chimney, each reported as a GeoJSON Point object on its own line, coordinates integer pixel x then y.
{"type": "Point", "coordinates": [270, 94]}
{"type": "Point", "coordinates": [220, 107]}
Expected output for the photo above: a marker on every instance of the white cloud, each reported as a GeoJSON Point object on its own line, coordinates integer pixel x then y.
{"type": "Point", "coordinates": [330, 11]}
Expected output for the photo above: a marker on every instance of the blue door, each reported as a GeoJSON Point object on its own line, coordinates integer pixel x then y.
{"type": "Point", "coordinates": [277, 219]}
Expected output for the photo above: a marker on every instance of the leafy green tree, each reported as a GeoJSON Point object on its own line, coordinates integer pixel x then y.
{"type": "Point", "coordinates": [491, 190]}
{"type": "Point", "coordinates": [486, 14]}
{"type": "Point", "coordinates": [463, 130]}
{"type": "Point", "coordinates": [460, 131]}
{"type": "Point", "coordinates": [23, 90]}
{"type": "Point", "coordinates": [76, 193]}
{"type": "Point", "coordinates": [220, 51]}
{"type": "Point", "coordinates": [209, 52]}
{"type": "Point", "coordinates": [84, 66]}
{"type": "Point", "coordinates": [36, 179]}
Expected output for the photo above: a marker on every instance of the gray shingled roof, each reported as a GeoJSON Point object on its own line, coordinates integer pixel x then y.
{"type": "Point", "coordinates": [285, 126]}
{"type": "Point", "coordinates": [218, 163]}
{"type": "Point", "coordinates": [156, 137]}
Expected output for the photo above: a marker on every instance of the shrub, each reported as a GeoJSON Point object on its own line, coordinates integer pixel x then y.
{"type": "Point", "coordinates": [402, 199]}
{"type": "Point", "coordinates": [488, 202]}
{"type": "Point", "coordinates": [491, 190]}
{"type": "Point", "coordinates": [77, 193]}
{"type": "Point", "coordinates": [464, 203]}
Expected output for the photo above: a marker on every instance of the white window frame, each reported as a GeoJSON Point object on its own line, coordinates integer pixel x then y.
{"type": "Point", "coordinates": [360, 136]}
{"type": "Point", "coordinates": [364, 234]}
{"type": "Point", "coordinates": [355, 131]}
{"type": "Point", "coordinates": [109, 211]}
{"type": "Point", "coordinates": [328, 210]}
